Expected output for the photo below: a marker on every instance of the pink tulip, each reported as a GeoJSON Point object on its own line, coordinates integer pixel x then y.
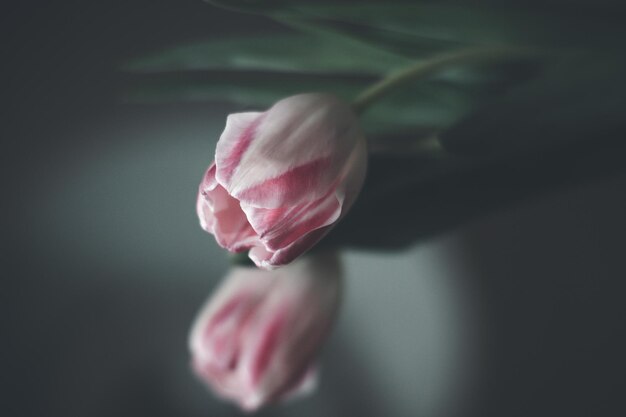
{"type": "Point", "coordinates": [282, 178]}
{"type": "Point", "coordinates": [256, 339]}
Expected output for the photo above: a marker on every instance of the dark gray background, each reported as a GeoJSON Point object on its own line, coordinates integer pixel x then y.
{"type": "Point", "coordinates": [518, 313]}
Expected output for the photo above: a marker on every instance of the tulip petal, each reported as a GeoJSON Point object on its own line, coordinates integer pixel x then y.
{"type": "Point", "coordinates": [224, 317]}
{"type": "Point", "coordinates": [267, 255]}
{"type": "Point", "coordinates": [279, 228]}
{"type": "Point", "coordinates": [261, 256]}
{"type": "Point", "coordinates": [289, 186]}
{"type": "Point", "coordinates": [221, 215]}
{"type": "Point", "coordinates": [299, 150]}
{"type": "Point", "coordinates": [266, 259]}
{"type": "Point", "coordinates": [221, 335]}
{"type": "Point", "coordinates": [289, 328]}
{"type": "Point", "coordinates": [270, 336]}
{"type": "Point", "coordinates": [268, 373]}
{"type": "Point", "coordinates": [236, 138]}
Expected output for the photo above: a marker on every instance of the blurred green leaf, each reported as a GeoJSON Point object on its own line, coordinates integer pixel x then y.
{"type": "Point", "coordinates": [338, 32]}
{"type": "Point", "coordinates": [287, 53]}
{"type": "Point", "coordinates": [434, 103]}
{"type": "Point", "coordinates": [248, 88]}
{"type": "Point", "coordinates": [419, 26]}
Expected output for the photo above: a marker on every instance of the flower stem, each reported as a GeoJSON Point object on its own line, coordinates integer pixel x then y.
{"type": "Point", "coordinates": [423, 69]}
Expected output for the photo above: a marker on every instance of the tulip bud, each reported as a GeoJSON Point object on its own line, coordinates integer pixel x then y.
{"type": "Point", "coordinates": [256, 339]}
{"type": "Point", "coordinates": [282, 178]}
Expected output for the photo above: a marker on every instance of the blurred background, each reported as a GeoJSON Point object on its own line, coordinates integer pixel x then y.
{"type": "Point", "coordinates": [518, 311]}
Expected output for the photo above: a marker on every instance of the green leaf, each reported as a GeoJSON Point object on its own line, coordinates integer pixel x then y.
{"type": "Point", "coordinates": [420, 25]}
{"type": "Point", "coordinates": [430, 104]}
{"type": "Point", "coordinates": [248, 88]}
{"type": "Point", "coordinates": [286, 53]}
{"type": "Point", "coordinates": [395, 42]}
{"type": "Point", "coordinates": [434, 103]}
{"type": "Point", "coordinates": [445, 98]}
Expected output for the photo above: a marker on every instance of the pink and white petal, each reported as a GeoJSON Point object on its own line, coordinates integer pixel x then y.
{"type": "Point", "coordinates": [279, 228]}
{"type": "Point", "coordinates": [294, 319]}
{"type": "Point", "coordinates": [221, 382]}
{"type": "Point", "coordinates": [222, 332]}
{"type": "Point", "coordinates": [236, 138]}
{"type": "Point", "coordinates": [205, 214]}
{"type": "Point", "coordinates": [264, 187]}
{"type": "Point", "coordinates": [263, 370]}
{"type": "Point", "coordinates": [226, 385]}
{"type": "Point", "coordinates": [204, 205]}
{"type": "Point", "coordinates": [263, 347]}
{"type": "Point", "coordinates": [304, 140]}
{"type": "Point", "coordinates": [221, 215]}
{"type": "Point", "coordinates": [216, 338]}
{"type": "Point", "coordinates": [269, 260]}
{"type": "Point", "coordinates": [352, 179]}
{"type": "Point", "coordinates": [221, 314]}
{"type": "Point", "coordinates": [242, 286]}
{"type": "Point", "coordinates": [209, 182]}
{"type": "Point", "coordinates": [260, 256]}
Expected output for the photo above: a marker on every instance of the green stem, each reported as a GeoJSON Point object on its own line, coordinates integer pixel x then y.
{"type": "Point", "coordinates": [426, 68]}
